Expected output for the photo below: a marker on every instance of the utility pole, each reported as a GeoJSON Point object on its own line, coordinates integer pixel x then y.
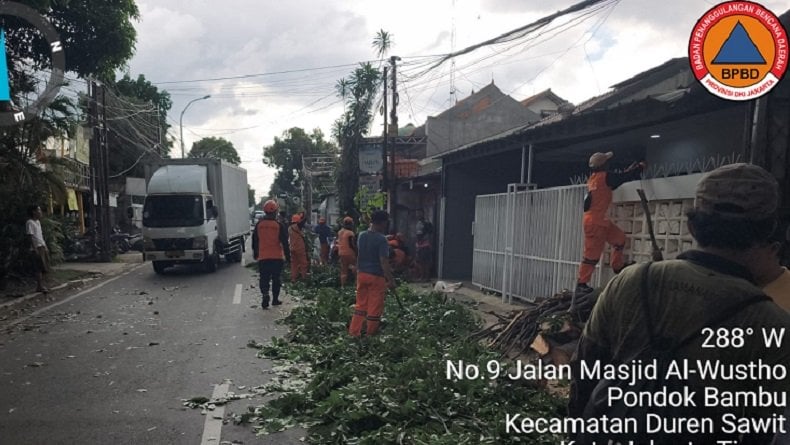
{"type": "Point", "coordinates": [384, 139]}
{"type": "Point", "coordinates": [394, 127]}
{"type": "Point", "coordinates": [100, 166]}
{"type": "Point", "coordinates": [106, 243]}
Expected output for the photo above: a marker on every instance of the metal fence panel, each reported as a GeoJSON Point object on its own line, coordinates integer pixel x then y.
{"type": "Point", "coordinates": [528, 243]}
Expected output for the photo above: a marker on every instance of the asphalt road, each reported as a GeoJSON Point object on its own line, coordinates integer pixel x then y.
{"type": "Point", "coordinates": [113, 364]}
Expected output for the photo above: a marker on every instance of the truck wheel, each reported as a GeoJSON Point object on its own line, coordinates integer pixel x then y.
{"type": "Point", "coordinates": [159, 268]}
{"type": "Point", "coordinates": [210, 262]}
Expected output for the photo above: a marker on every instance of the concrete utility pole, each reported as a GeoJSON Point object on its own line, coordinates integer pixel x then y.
{"type": "Point", "coordinates": [181, 121]}
{"type": "Point", "coordinates": [393, 197]}
{"type": "Point", "coordinates": [100, 171]}
{"type": "Point", "coordinates": [384, 139]}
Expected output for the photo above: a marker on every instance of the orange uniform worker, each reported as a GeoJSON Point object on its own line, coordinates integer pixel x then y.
{"type": "Point", "coordinates": [270, 248]}
{"type": "Point", "coordinates": [299, 256]}
{"type": "Point", "coordinates": [374, 276]}
{"type": "Point", "coordinates": [347, 250]}
{"type": "Point", "coordinates": [399, 259]}
{"type": "Point", "coordinates": [598, 229]}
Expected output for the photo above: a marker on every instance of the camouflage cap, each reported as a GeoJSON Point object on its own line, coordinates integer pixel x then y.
{"type": "Point", "coordinates": [738, 191]}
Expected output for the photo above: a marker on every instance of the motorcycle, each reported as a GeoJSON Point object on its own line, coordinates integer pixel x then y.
{"type": "Point", "coordinates": [121, 241]}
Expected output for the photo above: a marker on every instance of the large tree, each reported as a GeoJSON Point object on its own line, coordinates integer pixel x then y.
{"type": "Point", "coordinates": [285, 154]}
{"type": "Point", "coordinates": [98, 38]}
{"type": "Point", "coordinates": [250, 196]}
{"type": "Point", "coordinates": [217, 148]}
{"type": "Point", "coordinates": [156, 104]}
{"type": "Point", "coordinates": [361, 89]}
{"type": "Point", "coordinates": [137, 124]}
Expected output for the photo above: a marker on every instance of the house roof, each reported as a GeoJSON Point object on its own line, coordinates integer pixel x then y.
{"type": "Point", "coordinates": [612, 99]}
{"type": "Point", "coordinates": [545, 94]}
{"type": "Point", "coordinates": [474, 103]}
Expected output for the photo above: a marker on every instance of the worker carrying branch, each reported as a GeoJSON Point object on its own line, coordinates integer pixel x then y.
{"type": "Point", "coordinates": [598, 229]}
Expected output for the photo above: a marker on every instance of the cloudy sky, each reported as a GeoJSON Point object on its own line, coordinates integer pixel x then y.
{"type": "Point", "coordinates": [313, 43]}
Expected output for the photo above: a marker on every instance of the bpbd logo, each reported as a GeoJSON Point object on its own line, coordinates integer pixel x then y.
{"type": "Point", "coordinates": [43, 26]}
{"type": "Point", "coordinates": [738, 50]}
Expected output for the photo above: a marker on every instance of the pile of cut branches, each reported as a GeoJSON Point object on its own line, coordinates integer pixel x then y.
{"type": "Point", "coordinates": [550, 329]}
{"type": "Point", "coordinates": [393, 388]}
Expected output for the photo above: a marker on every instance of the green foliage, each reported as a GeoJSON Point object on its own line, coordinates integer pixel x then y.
{"type": "Point", "coordinates": [143, 90]}
{"type": "Point", "coordinates": [367, 203]}
{"type": "Point", "coordinates": [216, 148]}
{"type": "Point", "coordinates": [392, 388]}
{"type": "Point", "coordinates": [285, 154]}
{"type": "Point", "coordinates": [359, 92]}
{"type": "Point", "coordinates": [382, 43]}
{"type": "Point", "coordinates": [250, 196]}
{"type": "Point", "coordinates": [142, 109]}
{"type": "Point", "coordinates": [53, 236]}
{"type": "Point", "coordinates": [98, 36]}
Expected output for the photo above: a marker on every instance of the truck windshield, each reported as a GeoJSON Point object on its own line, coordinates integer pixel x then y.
{"type": "Point", "coordinates": [173, 211]}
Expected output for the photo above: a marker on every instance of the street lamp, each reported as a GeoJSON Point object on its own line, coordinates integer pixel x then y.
{"type": "Point", "coordinates": [181, 121]}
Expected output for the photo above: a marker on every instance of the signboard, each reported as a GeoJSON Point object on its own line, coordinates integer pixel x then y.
{"type": "Point", "coordinates": [372, 183]}
{"type": "Point", "coordinates": [371, 159]}
{"type": "Point", "coordinates": [81, 145]}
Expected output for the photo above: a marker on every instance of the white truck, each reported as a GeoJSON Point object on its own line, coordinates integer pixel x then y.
{"type": "Point", "coordinates": [195, 211]}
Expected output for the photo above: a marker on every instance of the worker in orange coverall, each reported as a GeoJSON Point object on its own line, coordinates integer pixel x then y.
{"type": "Point", "coordinates": [298, 247]}
{"type": "Point", "coordinates": [399, 260]}
{"type": "Point", "coordinates": [374, 276]}
{"type": "Point", "coordinates": [347, 250]}
{"type": "Point", "coordinates": [598, 229]}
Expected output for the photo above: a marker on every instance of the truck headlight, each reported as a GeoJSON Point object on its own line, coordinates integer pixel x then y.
{"type": "Point", "coordinates": [200, 242]}
{"type": "Point", "coordinates": [148, 243]}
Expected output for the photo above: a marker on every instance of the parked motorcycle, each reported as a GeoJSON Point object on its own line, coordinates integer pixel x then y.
{"type": "Point", "coordinates": [123, 242]}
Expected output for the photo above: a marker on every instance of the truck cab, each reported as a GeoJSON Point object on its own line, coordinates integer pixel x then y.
{"type": "Point", "coordinates": [182, 223]}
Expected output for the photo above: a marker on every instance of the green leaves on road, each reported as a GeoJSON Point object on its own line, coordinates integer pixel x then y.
{"type": "Point", "coordinates": [392, 387]}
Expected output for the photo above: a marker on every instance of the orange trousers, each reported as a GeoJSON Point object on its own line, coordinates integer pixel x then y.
{"type": "Point", "coordinates": [596, 236]}
{"type": "Point", "coordinates": [371, 290]}
{"type": "Point", "coordinates": [347, 265]}
{"type": "Point", "coordinates": [324, 253]}
{"type": "Point", "coordinates": [298, 266]}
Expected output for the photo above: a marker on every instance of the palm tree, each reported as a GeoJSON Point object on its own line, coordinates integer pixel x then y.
{"type": "Point", "coordinates": [362, 87]}
{"type": "Point", "coordinates": [382, 42]}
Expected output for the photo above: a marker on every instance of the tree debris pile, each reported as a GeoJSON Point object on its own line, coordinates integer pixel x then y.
{"type": "Point", "coordinates": [393, 388]}
{"type": "Point", "coordinates": [550, 329]}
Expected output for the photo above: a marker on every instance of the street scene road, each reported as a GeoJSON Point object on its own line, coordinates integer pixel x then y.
{"type": "Point", "coordinates": [113, 364]}
{"type": "Point", "coordinates": [441, 223]}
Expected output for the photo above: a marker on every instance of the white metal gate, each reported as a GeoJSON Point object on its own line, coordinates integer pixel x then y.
{"type": "Point", "coordinates": [528, 243]}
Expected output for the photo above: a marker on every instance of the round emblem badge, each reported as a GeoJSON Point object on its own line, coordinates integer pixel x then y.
{"type": "Point", "coordinates": [16, 116]}
{"type": "Point", "coordinates": [738, 50]}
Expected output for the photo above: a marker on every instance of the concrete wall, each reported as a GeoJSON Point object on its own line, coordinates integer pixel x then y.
{"type": "Point", "coordinates": [463, 182]}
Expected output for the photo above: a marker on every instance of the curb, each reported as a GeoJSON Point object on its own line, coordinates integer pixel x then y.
{"type": "Point", "coordinates": [82, 281]}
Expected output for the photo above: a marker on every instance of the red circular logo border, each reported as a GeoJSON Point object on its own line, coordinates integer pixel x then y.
{"type": "Point", "coordinates": [700, 33]}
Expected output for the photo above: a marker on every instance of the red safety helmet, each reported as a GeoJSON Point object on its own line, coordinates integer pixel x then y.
{"type": "Point", "coordinates": [270, 206]}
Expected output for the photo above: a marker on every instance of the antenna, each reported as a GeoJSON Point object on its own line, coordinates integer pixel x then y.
{"type": "Point", "coordinates": [453, 97]}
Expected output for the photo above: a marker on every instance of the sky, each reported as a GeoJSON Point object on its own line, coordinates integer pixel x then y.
{"type": "Point", "coordinates": [313, 43]}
